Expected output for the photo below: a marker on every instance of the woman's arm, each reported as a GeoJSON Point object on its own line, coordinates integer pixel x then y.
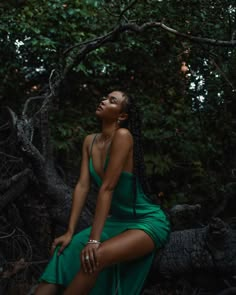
{"type": "Point", "coordinates": [82, 187]}
{"type": "Point", "coordinates": [79, 197]}
{"type": "Point", "coordinates": [120, 148]}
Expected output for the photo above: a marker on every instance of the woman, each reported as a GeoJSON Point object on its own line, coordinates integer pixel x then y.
{"type": "Point", "coordinates": [114, 255]}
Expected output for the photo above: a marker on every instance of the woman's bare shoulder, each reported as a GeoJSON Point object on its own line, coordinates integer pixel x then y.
{"type": "Point", "coordinates": [123, 137]}
{"type": "Point", "coordinates": [123, 133]}
{"type": "Point", "coordinates": [88, 139]}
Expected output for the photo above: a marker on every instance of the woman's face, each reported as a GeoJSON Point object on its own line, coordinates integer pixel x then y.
{"type": "Point", "coordinates": [110, 108]}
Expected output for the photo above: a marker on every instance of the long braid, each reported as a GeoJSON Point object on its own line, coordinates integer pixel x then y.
{"type": "Point", "coordinates": [134, 125]}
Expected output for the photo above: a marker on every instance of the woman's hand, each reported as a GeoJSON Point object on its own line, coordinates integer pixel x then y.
{"type": "Point", "coordinates": [62, 241]}
{"type": "Point", "coordinates": [89, 257]}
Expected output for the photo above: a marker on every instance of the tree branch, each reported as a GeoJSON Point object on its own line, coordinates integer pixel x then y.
{"type": "Point", "coordinates": [28, 101]}
{"type": "Point", "coordinates": [214, 42]}
{"type": "Point", "coordinates": [127, 8]}
{"type": "Point", "coordinates": [223, 74]}
{"type": "Point", "coordinates": [16, 186]}
{"type": "Point", "coordinates": [95, 43]}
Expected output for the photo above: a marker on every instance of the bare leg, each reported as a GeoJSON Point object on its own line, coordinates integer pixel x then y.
{"type": "Point", "coordinates": [129, 245]}
{"type": "Point", "coordinates": [82, 283]}
{"type": "Point", "coordinates": [45, 288]}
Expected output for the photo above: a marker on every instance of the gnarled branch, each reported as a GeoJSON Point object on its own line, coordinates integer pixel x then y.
{"type": "Point", "coordinates": [95, 43]}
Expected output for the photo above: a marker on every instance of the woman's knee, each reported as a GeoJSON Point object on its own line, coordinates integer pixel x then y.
{"type": "Point", "coordinates": [104, 258]}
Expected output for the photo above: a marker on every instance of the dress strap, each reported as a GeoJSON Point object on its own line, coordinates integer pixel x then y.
{"type": "Point", "coordinates": [91, 146]}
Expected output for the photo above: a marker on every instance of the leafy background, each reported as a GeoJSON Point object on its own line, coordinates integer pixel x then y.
{"type": "Point", "coordinates": [188, 116]}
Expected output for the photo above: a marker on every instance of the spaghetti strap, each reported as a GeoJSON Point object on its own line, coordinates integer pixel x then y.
{"type": "Point", "coordinates": [91, 146]}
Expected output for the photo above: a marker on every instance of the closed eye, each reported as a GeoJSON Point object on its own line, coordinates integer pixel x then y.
{"type": "Point", "coordinates": [113, 99]}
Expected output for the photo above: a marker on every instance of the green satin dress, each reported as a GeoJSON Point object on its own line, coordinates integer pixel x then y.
{"type": "Point", "coordinates": [124, 278]}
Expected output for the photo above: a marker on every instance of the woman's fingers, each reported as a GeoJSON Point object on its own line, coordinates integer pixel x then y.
{"type": "Point", "coordinates": [61, 249]}
{"type": "Point", "coordinates": [86, 261]}
{"type": "Point", "coordinates": [53, 247]}
{"type": "Point", "coordinates": [92, 260]}
{"type": "Point", "coordinates": [89, 258]}
{"type": "Point", "coordinates": [63, 241]}
{"type": "Point", "coordinates": [95, 256]}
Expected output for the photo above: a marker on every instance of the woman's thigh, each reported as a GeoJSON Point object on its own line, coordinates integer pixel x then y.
{"type": "Point", "coordinates": [129, 245]}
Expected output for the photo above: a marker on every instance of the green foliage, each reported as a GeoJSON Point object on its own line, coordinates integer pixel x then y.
{"type": "Point", "coordinates": [188, 117]}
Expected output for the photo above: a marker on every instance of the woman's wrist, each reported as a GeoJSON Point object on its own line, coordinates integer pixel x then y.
{"type": "Point", "coordinates": [92, 241]}
{"type": "Point", "coordinates": [70, 231]}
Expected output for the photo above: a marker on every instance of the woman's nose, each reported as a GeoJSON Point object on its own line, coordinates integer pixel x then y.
{"type": "Point", "coordinates": [104, 98]}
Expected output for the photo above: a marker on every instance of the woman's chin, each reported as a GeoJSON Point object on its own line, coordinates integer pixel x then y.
{"type": "Point", "coordinates": [98, 113]}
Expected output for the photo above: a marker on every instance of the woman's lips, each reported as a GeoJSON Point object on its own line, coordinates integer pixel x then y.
{"type": "Point", "coordinates": [99, 108]}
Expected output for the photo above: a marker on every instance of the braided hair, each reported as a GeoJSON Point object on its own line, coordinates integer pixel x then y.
{"type": "Point", "coordinates": [134, 123]}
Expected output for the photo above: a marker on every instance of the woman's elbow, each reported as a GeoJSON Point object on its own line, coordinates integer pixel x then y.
{"type": "Point", "coordinates": [107, 188]}
{"type": "Point", "coordinates": [85, 187]}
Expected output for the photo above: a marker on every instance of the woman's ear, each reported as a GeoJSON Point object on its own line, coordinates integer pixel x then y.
{"type": "Point", "coordinates": [123, 117]}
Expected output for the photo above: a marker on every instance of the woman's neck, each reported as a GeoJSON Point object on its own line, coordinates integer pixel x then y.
{"type": "Point", "coordinates": [108, 130]}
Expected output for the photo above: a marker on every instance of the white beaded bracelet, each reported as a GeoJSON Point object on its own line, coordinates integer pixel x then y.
{"type": "Point", "coordinates": [93, 242]}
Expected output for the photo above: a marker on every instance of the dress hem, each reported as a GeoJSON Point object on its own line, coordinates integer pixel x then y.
{"type": "Point", "coordinates": [51, 281]}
